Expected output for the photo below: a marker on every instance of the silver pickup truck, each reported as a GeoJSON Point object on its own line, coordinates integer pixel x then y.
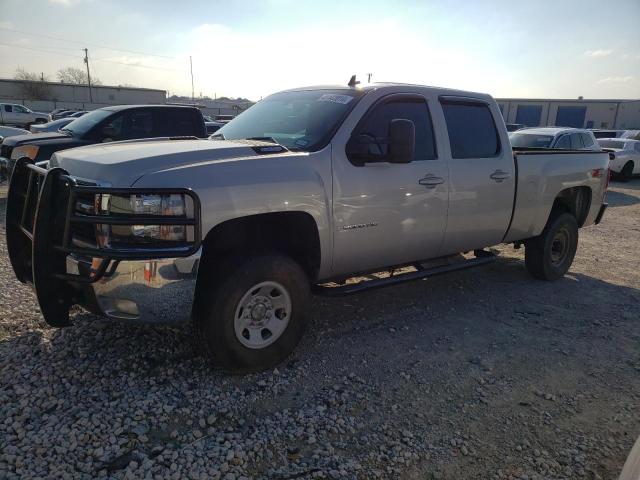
{"type": "Point", "coordinates": [325, 189]}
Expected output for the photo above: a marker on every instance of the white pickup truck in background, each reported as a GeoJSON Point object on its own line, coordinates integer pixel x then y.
{"type": "Point", "coordinates": [17, 115]}
{"type": "Point", "coordinates": [306, 189]}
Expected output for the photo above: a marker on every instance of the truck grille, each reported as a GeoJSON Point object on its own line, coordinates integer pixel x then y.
{"type": "Point", "coordinates": [5, 151]}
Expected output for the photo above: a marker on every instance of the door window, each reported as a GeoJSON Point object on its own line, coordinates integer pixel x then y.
{"type": "Point", "coordinates": [21, 109]}
{"type": "Point", "coordinates": [576, 142]}
{"type": "Point", "coordinates": [376, 125]}
{"type": "Point", "coordinates": [8, 108]}
{"type": "Point", "coordinates": [472, 131]}
{"type": "Point", "coordinates": [170, 122]}
{"type": "Point", "coordinates": [586, 140]}
{"type": "Point", "coordinates": [564, 143]}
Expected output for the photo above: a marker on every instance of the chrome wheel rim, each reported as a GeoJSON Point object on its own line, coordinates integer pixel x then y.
{"type": "Point", "coordinates": [560, 247]}
{"type": "Point", "coordinates": [262, 315]}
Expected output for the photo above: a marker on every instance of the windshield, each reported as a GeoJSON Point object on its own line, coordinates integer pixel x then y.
{"type": "Point", "coordinates": [530, 140]}
{"type": "Point", "coordinates": [301, 120]}
{"type": "Point", "coordinates": [86, 122]}
{"type": "Point", "coordinates": [611, 144]}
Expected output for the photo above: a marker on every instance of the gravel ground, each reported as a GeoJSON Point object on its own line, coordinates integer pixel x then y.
{"type": "Point", "coordinates": [484, 373]}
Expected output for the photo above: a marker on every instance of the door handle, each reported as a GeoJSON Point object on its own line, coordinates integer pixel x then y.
{"type": "Point", "coordinates": [499, 176]}
{"type": "Point", "coordinates": [430, 181]}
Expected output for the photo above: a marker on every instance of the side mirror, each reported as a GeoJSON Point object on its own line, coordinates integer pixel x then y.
{"type": "Point", "coordinates": [402, 140]}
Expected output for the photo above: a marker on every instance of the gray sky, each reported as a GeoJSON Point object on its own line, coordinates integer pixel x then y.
{"type": "Point", "coordinates": [561, 48]}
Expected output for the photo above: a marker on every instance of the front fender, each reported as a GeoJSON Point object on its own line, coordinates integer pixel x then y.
{"type": "Point", "coordinates": [230, 189]}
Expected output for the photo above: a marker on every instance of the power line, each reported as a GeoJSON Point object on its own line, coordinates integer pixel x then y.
{"type": "Point", "coordinates": [85, 43]}
{"type": "Point", "coordinates": [51, 50]}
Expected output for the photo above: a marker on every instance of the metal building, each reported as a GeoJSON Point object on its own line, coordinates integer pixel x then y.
{"type": "Point", "coordinates": [50, 95]}
{"type": "Point", "coordinates": [580, 113]}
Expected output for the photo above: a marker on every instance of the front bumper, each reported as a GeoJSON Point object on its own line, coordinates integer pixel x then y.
{"type": "Point", "coordinates": [149, 283]}
{"type": "Point", "coordinates": [153, 291]}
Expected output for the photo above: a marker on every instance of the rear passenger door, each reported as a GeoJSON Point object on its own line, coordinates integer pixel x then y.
{"type": "Point", "coordinates": [481, 175]}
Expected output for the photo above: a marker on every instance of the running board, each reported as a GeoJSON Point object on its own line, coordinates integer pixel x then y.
{"type": "Point", "coordinates": [482, 258]}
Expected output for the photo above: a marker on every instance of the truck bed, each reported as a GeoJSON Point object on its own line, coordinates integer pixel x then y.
{"type": "Point", "coordinates": [541, 174]}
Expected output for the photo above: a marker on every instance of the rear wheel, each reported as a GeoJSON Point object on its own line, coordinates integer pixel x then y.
{"type": "Point", "coordinates": [549, 255]}
{"type": "Point", "coordinates": [627, 172]}
{"type": "Point", "coordinates": [253, 312]}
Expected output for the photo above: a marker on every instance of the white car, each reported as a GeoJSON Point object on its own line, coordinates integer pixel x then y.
{"type": "Point", "coordinates": [11, 131]}
{"type": "Point", "coordinates": [562, 138]}
{"type": "Point", "coordinates": [626, 164]}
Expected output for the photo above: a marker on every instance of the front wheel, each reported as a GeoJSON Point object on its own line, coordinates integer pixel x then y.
{"type": "Point", "coordinates": [627, 172]}
{"type": "Point", "coordinates": [253, 312]}
{"type": "Point", "coordinates": [549, 255]}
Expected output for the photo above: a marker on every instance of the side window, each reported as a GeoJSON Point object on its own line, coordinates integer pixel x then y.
{"type": "Point", "coordinates": [112, 129]}
{"type": "Point", "coordinates": [563, 142]}
{"type": "Point", "coordinates": [376, 124]}
{"type": "Point", "coordinates": [586, 140]}
{"type": "Point", "coordinates": [136, 124]}
{"type": "Point", "coordinates": [173, 122]}
{"type": "Point", "coordinates": [576, 142]}
{"type": "Point", "coordinates": [472, 131]}
{"type": "Point", "coordinates": [21, 109]}
{"type": "Point", "coordinates": [8, 108]}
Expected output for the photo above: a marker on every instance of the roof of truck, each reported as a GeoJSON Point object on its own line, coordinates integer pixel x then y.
{"type": "Point", "coordinates": [550, 130]}
{"type": "Point", "coordinates": [390, 85]}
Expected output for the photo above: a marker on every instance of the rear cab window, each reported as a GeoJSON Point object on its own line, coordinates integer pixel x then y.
{"type": "Point", "coordinates": [472, 129]}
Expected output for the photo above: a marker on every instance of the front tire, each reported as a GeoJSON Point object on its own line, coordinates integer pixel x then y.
{"type": "Point", "coordinates": [549, 255]}
{"type": "Point", "coordinates": [626, 174]}
{"type": "Point", "coordinates": [253, 312]}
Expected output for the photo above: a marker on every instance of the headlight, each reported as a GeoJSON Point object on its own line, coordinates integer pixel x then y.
{"type": "Point", "coordinates": [175, 205]}
{"type": "Point", "coordinates": [25, 151]}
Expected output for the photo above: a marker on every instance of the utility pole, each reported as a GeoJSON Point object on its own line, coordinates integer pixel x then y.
{"type": "Point", "coordinates": [369, 77]}
{"type": "Point", "coordinates": [42, 76]}
{"type": "Point", "coordinates": [86, 61]}
{"type": "Point", "coordinates": [191, 65]}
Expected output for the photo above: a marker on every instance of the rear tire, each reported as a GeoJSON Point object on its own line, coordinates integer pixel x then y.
{"type": "Point", "coordinates": [549, 255]}
{"type": "Point", "coordinates": [626, 174]}
{"type": "Point", "coordinates": [252, 312]}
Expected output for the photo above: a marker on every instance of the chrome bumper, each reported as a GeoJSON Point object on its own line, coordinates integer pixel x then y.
{"type": "Point", "coordinates": [142, 291]}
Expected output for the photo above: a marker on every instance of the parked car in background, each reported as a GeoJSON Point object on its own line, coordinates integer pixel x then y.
{"type": "Point", "coordinates": [212, 127]}
{"type": "Point", "coordinates": [512, 127]}
{"type": "Point", "coordinates": [554, 137]}
{"type": "Point", "coordinates": [52, 126]}
{"type": "Point", "coordinates": [600, 133]}
{"type": "Point", "coordinates": [11, 132]}
{"type": "Point", "coordinates": [124, 122]}
{"type": "Point", "coordinates": [55, 114]}
{"type": "Point", "coordinates": [306, 187]}
{"type": "Point", "coordinates": [20, 116]}
{"type": "Point", "coordinates": [223, 118]}
{"type": "Point", "coordinates": [632, 134]}
{"type": "Point", "coordinates": [77, 114]}
{"type": "Point", "coordinates": [626, 163]}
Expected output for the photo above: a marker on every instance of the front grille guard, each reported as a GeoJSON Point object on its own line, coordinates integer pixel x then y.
{"type": "Point", "coordinates": [41, 212]}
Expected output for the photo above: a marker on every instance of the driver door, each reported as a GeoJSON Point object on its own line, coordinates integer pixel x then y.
{"type": "Point", "coordinates": [387, 213]}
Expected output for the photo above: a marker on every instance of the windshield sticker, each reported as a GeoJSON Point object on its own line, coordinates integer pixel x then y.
{"type": "Point", "coordinates": [335, 98]}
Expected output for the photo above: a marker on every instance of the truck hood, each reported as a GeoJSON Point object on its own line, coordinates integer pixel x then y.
{"type": "Point", "coordinates": [34, 138]}
{"type": "Point", "coordinates": [120, 164]}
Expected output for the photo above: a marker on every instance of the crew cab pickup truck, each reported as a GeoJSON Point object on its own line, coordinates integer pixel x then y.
{"type": "Point", "coordinates": [299, 193]}
{"type": "Point", "coordinates": [124, 122]}
{"type": "Point", "coordinates": [17, 115]}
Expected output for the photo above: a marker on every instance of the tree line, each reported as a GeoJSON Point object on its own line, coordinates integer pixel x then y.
{"type": "Point", "coordinates": [34, 86]}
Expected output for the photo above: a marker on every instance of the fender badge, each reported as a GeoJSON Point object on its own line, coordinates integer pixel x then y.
{"type": "Point", "coordinates": [360, 225]}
